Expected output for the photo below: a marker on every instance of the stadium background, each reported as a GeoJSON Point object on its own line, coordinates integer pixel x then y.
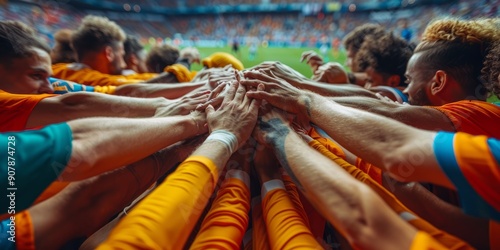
{"type": "Point", "coordinates": [280, 29]}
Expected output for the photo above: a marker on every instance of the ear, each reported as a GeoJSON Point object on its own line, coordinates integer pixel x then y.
{"type": "Point", "coordinates": [393, 81]}
{"type": "Point", "coordinates": [438, 82]}
{"type": "Point", "coordinates": [109, 52]}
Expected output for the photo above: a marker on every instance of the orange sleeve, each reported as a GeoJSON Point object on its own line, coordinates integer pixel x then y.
{"type": "Point", "coordinates": [285, 227]}
{"type": "Point", "coordinates": [259, 231]}
{"type": "Point", "coordinates": [374, 172]}
{"type": "Point", "coordinates": [16, 109]}
{"type": "Point", "coordinates": [180, 71]}
{"type": "Point", "coordinates": [165, 218]}
{"type": "Point", "coordinates": [225, 224]}
{"type": "Point", "coordinates": [405, 213]}
{"type": "Point", "coordinates": [105, 89]}
{"type": "Point", "coordinates": [423, 241]}
{"type": "Point", "coordinates": [473, 117]}
{"type": "Point", "coordinates": [141, 76]}
{"type": "Point", "coordinates": [330, 145]}
{"type": "Point", "coordinates": [87, 76]}
{"type": "Point", "coordinates": [25, 233]}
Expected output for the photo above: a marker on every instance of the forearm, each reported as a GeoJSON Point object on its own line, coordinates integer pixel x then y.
{"type": "Point", "coordinates": [346, 203]}
{"type": "Point", "coordinates": [371, 137]}
{"type": "Point", "coordinates": [101, 144]}
{"type": "Point", "coordinates": [169, 91]}
{"type": "Point", "coordinates": [164, 77]}
{"type": "Point", "coordinates": [326, 89]}
{"type": "Point", "coordinates": [80, 105]}
{"type": "Point", "coordinates": [439, 213]}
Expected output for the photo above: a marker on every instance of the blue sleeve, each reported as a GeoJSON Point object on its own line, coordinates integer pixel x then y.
{"type": "Point", "coordinates": [7, 235]}
{"type": "Point", "coordinates": [31, 161]}
{"type": "Point", "coordinates": [471, 202]}
{"type": "Point", "coordinates": [63, 86]}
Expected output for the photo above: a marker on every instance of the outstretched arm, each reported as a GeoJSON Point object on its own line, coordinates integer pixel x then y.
{"type": "Point", "coordinates": [103, 144]}
{"type": "Point", "coordinates": [82, 104]}
{"type": "Point", "coordinates": [169, 91]}
{"type": "Point", "coordinates": [366, 135]}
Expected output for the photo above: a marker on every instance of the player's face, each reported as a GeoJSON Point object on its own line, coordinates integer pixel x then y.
{"type": "Point", "coordinates": [418, 89]}
{"type": "Point", "coordinates": [350, 58]}
{"type": "Point", "coordinates": [29, 75]}
{"type": "Point", "coordinates": [118, 62]}
{"type": "Point", "coordinates": [374, 78]}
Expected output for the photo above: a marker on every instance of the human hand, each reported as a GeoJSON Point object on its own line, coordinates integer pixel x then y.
{"type": "Point", "coordinates": [331, 72]}
{"type": "Point", "coordinates": [312, 59]}
{"type": "Point", "coordinates": [183, 105]}
{"type": "Point", "coordinates": [237, 113]}
{"type": "Point", "coordinates": [272, 126]}
{"type": "Point", "coordinates": [276, 91]}
{"type": "Point", "coordinates": [282, 71]}
{"type": "Point", "coordinates": [205, 73]}
{"type": "Point", "coordinates": [191, 54]}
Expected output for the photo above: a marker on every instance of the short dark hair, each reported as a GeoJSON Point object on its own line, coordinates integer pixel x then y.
{"type": "Point", "coordinates": [94, 33]}
{"type": "Point", "coordinates": [62, 51]}
{"type": "Point", "coordinates": [354, 39]}
{"type": "Point", "coordinates": [387, 55]}
{"type": "Point", "coordinates": [17, 41]}
{"type": "Point", "coordinates": [132, 46]}
{"type": "Point", "coordinates": [160, 57]}
{"type": "Point", "coordinates": [491, 70]}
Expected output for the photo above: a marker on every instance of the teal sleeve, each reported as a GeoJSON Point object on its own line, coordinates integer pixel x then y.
{"type": "Point", "coordinates": [30, 162]}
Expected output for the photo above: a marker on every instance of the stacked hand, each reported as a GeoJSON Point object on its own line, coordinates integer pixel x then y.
{"type": "Point", "coordinates": [331, 72]}
{"type": "Point", "coordinates": [237, 113]}
{"type": "Point", "coordinates": [312, 59]}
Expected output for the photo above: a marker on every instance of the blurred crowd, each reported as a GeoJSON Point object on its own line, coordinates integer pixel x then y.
{"type": "Point", "coordinates": [277, 29]}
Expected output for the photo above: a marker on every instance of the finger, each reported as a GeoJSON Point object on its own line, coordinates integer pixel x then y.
{"type": "Point", "coordinates": [217, 91]}
{"type": "Point", "coordinates": [231, 92]}
{"type": "Point", "coordinates": [209, 110]}
{"type": "Point", "coordinates": [199, 93]}
{"type": "Point", "coordinates": [252, 83]}
{"type": "Point", "coordinates": [255, 103]}
{"type": "Point", "coordinates": [240, 93]}
{"type": "Point", "coordinates": [261, 76]}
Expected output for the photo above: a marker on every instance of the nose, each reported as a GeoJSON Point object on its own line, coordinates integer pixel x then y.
{"type": "Point", "coordinates": [46, 87]}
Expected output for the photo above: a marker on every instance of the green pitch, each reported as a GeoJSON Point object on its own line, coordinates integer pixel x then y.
{"type": "Point", "coordinates": [288, 56]}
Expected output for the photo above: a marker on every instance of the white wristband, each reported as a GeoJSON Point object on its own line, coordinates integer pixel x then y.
{"type": "Point", "coordinates": [226, 137]}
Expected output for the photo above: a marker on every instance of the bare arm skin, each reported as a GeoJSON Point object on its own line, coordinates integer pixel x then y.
{"type": "Point", "coordinates": [169, 91]}
{"type": "Point", "coordinates": [103, 144]}
{"type": "Point", "coordinates": [81, 104]}
{"type": "Point", "coordinates": [351, 207]}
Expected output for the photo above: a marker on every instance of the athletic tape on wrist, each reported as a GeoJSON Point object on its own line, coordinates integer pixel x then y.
{"type": "Point", "coordinates": [226, 137]}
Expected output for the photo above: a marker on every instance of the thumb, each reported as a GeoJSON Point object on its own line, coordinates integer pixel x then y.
{"type": "Point", "coordinates": [209, 110]}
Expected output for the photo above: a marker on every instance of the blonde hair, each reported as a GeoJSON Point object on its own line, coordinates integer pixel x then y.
{"type": "Point", "coordinates": [459, 48]}
{"type": "Point", "coordinates": [94, 33]}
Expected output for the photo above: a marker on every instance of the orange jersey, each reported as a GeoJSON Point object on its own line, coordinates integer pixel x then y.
{"type": "Point", "coordinates": [473, 117]}
{"type": "Point", "coordinates": [423, 241]}
{"type": "Point", "coordinates": [472, 164]}
{"type": "Point", "coordinates": [16, 109]}
{"type": "Point", "coordinates": [83, 74]}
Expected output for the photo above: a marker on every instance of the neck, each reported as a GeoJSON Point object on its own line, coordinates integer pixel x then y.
{"type": "Point", "coordinates": [96, 64]}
